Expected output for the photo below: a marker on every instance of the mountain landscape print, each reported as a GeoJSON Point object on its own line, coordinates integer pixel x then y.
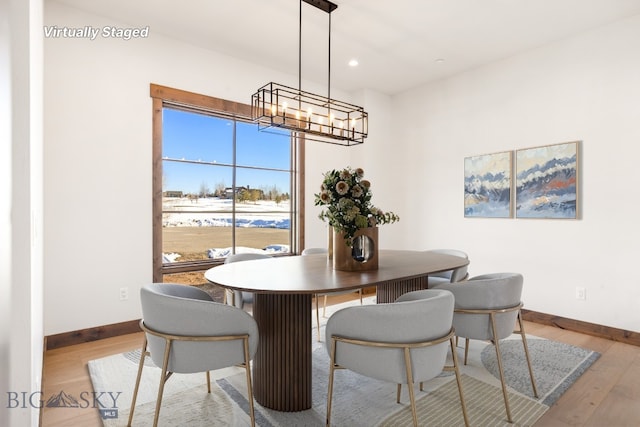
{"type": "Point", "coordinates": [487, 185]}
{"type": "Point", "coordinates": [546, 181]}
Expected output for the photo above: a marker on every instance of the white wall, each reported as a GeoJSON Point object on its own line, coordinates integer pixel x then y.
{"type": "Point", "coordinates": [584, 88]}
{"type": "Point", "coordinates": [21, 210]}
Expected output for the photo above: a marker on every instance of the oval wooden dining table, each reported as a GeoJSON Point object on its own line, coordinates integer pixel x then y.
{"type": "Point", "coordinates": [283, 289]}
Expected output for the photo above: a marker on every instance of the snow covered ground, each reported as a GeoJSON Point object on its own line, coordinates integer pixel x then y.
{"type": "Point", "coordinates": [214, 212]}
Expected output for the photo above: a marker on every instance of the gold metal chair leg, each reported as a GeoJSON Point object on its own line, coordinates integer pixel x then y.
{"type": "Point", "coordinates": [412, 397]}
{"type": "Point", "coordinates": [360, 292]}
{"type": "Point", "coordinates": [324, 307]}
{"type": "Point", "coordinates": [399, 390]}
{"type": "Point", "coordinates": [143, 356]}
{"type": "Point", "coordinates": [208, 383]}
{"type": "Point", "coordinates": [331, 371]}
{"type": "Point", "coordinates": [459, 380]}
{"type": "Point", "coordinates": [247, 368]}
{"type": "Point", "coordinates": [318, 317]}
{"type": "Point", "coordinates": [526, 352]}
{"type": "Point", "coordinates": [466, 350]}
{"type": "Point", "coordinates": [164, 376]}
{"type": "Point", "coordinates": [496, 343]}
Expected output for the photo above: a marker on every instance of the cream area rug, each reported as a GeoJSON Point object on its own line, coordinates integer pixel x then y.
{"type": "Point", "coordinates": [357, 400]}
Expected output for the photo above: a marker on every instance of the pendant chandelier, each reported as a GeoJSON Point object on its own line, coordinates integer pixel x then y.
{"type": "Point", "coordinates": [320, 118]}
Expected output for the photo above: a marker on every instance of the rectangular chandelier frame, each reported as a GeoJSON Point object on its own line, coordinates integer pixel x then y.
{"type": "Point", "coordinates": [321, 119]}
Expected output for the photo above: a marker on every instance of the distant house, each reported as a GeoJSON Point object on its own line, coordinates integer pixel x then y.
{"type": "Point", "coordinates": [228, 192]}
{"type": "Point", "coordinates": [172, 193]}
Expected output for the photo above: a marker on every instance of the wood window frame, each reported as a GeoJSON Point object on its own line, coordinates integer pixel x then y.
{"type": "Point", "coordinates": [163, 96]}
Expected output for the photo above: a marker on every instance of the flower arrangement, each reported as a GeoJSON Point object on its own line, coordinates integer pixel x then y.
{"type": "Point", "coordinates": [347, 198]}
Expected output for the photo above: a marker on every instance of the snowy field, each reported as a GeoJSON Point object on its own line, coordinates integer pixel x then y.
{"type": "Point", "coordinates": [215, 212]}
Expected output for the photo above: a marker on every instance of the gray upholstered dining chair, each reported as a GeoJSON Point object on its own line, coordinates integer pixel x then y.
{"type": "Point", "coordinates": [449, 276]}
{"type": "Point", "coordinates": [187, 332]}
{"type": "Point", "coordinates": [316, 297]}
{"type": "Point", "coordinates": [402, 342]}
{"type": "Point", "coordinates": [487, 307]}
{"type": "Point", "coordinates": [240, 298]}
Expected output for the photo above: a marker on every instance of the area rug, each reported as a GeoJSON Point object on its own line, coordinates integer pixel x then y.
{"type": "Point", "coordinates": [357, 400]}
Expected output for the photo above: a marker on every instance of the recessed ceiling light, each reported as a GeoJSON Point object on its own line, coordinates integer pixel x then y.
{"type": "Point", "coordinates": [353, 63]}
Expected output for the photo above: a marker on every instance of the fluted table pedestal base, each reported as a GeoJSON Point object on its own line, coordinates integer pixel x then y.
{"type": "Point", "coordinates": [282, 364]}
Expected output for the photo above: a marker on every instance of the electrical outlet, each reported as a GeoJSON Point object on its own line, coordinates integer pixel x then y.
{"type": "Point", "coordinates": [581, 293]}
{"type": "Point", "coordinates": [124, 294]}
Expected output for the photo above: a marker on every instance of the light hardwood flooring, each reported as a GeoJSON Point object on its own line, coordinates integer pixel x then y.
{"type": "Point", "coordinates": [608, 394]}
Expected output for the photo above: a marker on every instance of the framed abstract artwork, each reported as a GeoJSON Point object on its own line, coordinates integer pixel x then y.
{"type": "Point", "coordinates": [487, 185]}
{"type": "Point", "coordinates": [547, 181]}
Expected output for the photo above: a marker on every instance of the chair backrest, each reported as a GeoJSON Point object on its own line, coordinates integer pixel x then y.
{"type": "Point", "coordinates": [183, 310]}
{"type": "Point", "coordinates": [454, 275]}
{"type": "Point", "coordinates": [310, 251]}
{"type": "Point", "coordinates": [243, 297]}
{"type": "Point", "coordinates": [417, 317]}
{"type": "Point", "coordinates": [245, 257]}
{"type": "Point", "coordinates": [488, 291]}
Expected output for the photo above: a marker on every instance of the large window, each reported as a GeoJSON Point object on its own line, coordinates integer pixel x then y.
{"type": "Point", "coordinates": [220, 185]}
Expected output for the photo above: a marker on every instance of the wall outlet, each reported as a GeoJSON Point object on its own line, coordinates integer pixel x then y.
{"type": "Point", "coordinates": [124, 294]}
{"type": "Point", "coordinates": [581, 293]}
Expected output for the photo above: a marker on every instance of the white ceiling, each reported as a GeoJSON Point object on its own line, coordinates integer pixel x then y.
{"type": "Point", "coordinates": [397, 43]}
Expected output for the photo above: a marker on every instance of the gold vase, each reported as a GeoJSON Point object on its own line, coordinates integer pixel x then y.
{"type": "Point", "coordinates": [362, 255]}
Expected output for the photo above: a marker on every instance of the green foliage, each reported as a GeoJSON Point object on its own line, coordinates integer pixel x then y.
{"type": "Point", "coordinates": [347, 198]}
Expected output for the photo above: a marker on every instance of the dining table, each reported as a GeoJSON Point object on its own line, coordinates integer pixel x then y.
{"type": "Point", "coordinates": [283, 289]}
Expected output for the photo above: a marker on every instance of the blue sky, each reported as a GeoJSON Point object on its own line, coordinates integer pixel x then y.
{"type": "Point", "coordinates": [198, 137]}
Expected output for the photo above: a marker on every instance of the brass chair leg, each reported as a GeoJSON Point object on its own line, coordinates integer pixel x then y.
{"type": "Point", "coordinates": [399, 390]}
{"type": "Point", "coordinates": [412, 397]}
{"type": "Point", "coordinates": [360, 292]}
{"type": "Point", "coordinates": [324, 307]}
{"type": "Point", "coordinates": [208, 383]}
{"type": "Point", "coordinates": [331, 371]}
{"type": "Point", "coordinates": [459, 380]}
{"type": "Point", "coordinates": [247, 369]}
{"type": "Point", "coordinates": [164, 376]}
{"type": "Point", "coordinates": [318, 317]}
{"type": "Point", "coordinates": [143, 356]}
{"type": "Point", "coordinates": [526, 352]}
{"type": "Point", "coordinates": [496, 343]}
{"type": "Point", "coordinates": [466, 350]}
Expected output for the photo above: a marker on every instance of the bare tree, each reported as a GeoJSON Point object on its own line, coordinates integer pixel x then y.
{"type": "Point", "coordinates": [204, 189]}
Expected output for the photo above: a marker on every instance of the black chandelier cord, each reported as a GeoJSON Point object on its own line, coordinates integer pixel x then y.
{"type": "Point", "coordinates": [300, 49]}
{"type": "Point", "coordinates": [300, 55]}
{"type": "Point", "coordinates": [329, 70]}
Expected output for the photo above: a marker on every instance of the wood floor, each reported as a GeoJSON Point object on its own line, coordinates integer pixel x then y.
{"type": "Point", "coordinates": [608, 394]}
